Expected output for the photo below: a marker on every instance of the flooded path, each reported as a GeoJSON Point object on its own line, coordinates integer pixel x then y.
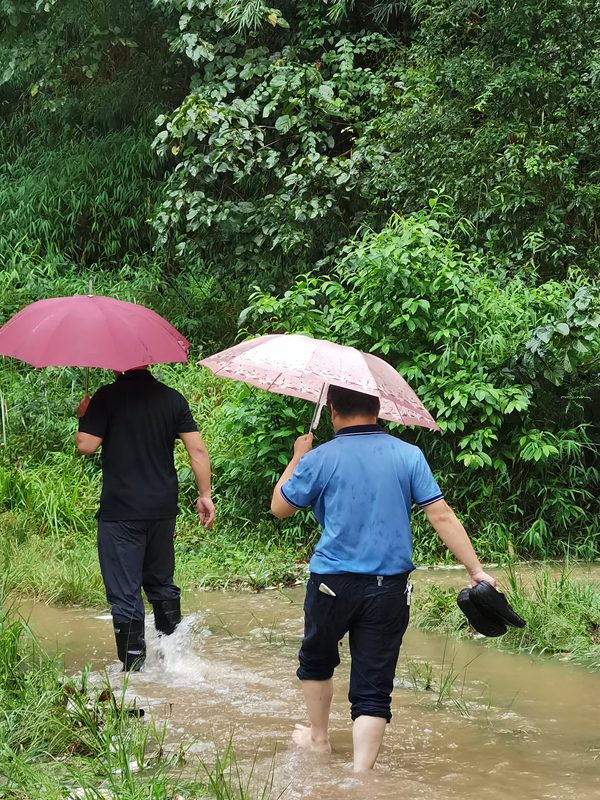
{"type": "Point", "coordinates": [507, 726]}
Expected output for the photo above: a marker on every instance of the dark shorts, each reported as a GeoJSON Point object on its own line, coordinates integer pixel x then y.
{"type": "Point", "coordinates": [374, 612]}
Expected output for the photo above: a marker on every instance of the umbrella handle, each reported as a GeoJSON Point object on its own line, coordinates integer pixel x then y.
{"type": "Point", "coordinates": [318, 409]}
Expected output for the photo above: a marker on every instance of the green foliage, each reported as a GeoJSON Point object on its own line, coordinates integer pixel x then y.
{"type": "Point", "coordinates": [561, 348]}
{"type": "Point", "coordinates": [259, 424]}
{"type": "Point", "coordinates": [284, 133]}
{"type": "Point", "coordinates": [89, 66]}
{"type": "Point", "coordinates": [499, 108]}
{"type": "Point", "coordinates": [29, 686]}
{"type": "Point", "coordinates": [84, 199]}
{"type": "Point", "coordinates": [302, 123]}
{"type": "Point", "coordinates": [563, 616]}
{"type": "Point", "coordinates": [461, 334]}
{"type": "Point", "coordinates": [263, 142]}
{"type": "Point", "coordinates": [435, 609]}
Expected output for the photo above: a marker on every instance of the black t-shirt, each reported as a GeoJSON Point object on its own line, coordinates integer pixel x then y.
{"type": "Point", "coordinates": [138, 419]}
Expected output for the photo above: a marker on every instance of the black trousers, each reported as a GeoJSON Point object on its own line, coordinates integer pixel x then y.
{"type": "Point", "coordinates": [135, 554]}
{"type": "Point", "coordinates": [374, 611]}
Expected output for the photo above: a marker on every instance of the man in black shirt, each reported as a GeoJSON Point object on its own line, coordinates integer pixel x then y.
{"type": "Point", "coordinates": [137, 420]}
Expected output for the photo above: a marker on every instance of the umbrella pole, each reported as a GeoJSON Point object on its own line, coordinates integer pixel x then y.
{"type": "Point", "coordinates": [87, 369]}
{"type": "Point", "coordinates": [318, 409]}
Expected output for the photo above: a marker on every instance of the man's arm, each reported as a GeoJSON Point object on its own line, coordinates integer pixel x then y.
{"type": "Point", "coordinates": [200, 464]}
{"type": "Point", "coordinates": [452, 533]}
{"type": "Point", "coordinates": [280, 508]}
{"type": "Point", "coordinates": [85, 442]}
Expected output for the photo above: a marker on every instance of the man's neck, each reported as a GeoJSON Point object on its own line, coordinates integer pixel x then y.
{"type": "Point", "coordinates": [349, 422]}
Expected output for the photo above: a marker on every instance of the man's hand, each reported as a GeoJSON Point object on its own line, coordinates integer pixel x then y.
{"type": "Point", "coordinates": [206, 511]}
{"type": "Point", "coordinates": [479, 575]}
{"type": "Point", "coordinates": [279, 506]}
{"type": "Point", "coordinates": [303, 445]}
{"type": "Point", "coordinates": [83, 406]}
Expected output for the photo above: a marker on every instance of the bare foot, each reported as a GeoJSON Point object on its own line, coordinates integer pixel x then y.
{"type": "Point", "coordinates": [302, 736]}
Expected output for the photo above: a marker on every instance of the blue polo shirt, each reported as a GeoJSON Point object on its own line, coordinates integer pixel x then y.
{"type": "Point", "coordinates": [360, 486]}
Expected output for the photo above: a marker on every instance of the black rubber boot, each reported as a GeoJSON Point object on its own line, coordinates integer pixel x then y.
{"type": "Point", "coordinates": [167, 615]}
{"type": "Point", "coordinates": [131, 644]}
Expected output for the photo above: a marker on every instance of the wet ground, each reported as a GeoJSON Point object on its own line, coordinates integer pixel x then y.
{"type": "Point", "coordinates": [509, 726]}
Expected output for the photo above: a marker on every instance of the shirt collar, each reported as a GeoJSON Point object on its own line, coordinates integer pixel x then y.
{"type": "Point", "coordinates": [135, 375]}
{"type": "Point", "coordinates": [357, 430]}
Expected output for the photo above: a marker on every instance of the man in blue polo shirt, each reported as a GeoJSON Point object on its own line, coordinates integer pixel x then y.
{"type": "Point", "coordinates": [360, 486]}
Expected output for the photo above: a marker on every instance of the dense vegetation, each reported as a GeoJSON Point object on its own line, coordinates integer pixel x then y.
{"type": "Point", "coordinates": [418, 178]}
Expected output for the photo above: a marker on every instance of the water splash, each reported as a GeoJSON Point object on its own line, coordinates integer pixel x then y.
{"type": "Point", "coordinates": [175, 659]}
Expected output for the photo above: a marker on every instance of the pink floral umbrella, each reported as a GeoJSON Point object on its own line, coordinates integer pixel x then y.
{"type": "Point", "coordinates": [300, 366]}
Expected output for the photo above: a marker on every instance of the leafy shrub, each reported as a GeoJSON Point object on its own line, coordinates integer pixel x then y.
{"type": "Point", "coordinates": [261, 146]}
{"type": "Point", "coordinates": [461, 335]}
{"type": "Point", "coordinates": [500, 108]}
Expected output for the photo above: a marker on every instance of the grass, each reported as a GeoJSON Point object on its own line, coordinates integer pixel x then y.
{"type": "Point", "coordinates": [562, 614]}
{"type": "Point", "coordinates": [63, 737]}
{"type": "Point", "coordinates": [229, 556]}
{"type": "Point", "coordinates": [64, 569]}
{"type": "Point", "coordinates": [446, 689]}
{"type": "Point", "coordinates": [563, 617]}
{"type": "Point", "coordinates": [63, 195]}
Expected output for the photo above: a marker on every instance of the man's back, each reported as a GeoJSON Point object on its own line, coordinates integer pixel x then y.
{"type": "Point", "coordinates": [138, 419]}
{"type": "Point", "coordinates": [361, 485]}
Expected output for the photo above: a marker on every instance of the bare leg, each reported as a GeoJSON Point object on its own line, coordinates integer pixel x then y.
{"type": "Point", "coordinates": [367, 736]}
{"type": "Point", "coordinates": [317, 696]}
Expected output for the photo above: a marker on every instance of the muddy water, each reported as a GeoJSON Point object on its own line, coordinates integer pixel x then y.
{"type": "Point", "coordinates": [511, 726]}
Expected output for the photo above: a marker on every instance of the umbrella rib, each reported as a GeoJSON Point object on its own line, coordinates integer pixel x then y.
{"type": "Point", "coordinates": [132, 325]}
{"type": "Point", "coordinates": [49, 344]}
{"type": "Point", "coordinates": [274, 380]}
{"type": "Point", "coordinates": [110, 332]}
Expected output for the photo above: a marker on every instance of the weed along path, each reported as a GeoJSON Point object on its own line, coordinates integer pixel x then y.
{"type": "Point", "coordinates": [470, 721]}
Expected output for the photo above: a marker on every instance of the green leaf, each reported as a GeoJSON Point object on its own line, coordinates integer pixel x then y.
{"type": "Point", "coordinates": [326, 92]}
{"type": "Point", "coordinates": [283, 123]}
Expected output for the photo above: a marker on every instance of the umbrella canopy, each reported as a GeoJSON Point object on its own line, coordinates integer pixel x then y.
{"type": "Point", "coordinates": [300, 366]}
{"type": "Point", "coordinates": [91, 331]}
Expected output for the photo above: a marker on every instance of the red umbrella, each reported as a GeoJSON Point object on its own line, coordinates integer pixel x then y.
{"type": "Point", "coordinates": [91, 331]}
